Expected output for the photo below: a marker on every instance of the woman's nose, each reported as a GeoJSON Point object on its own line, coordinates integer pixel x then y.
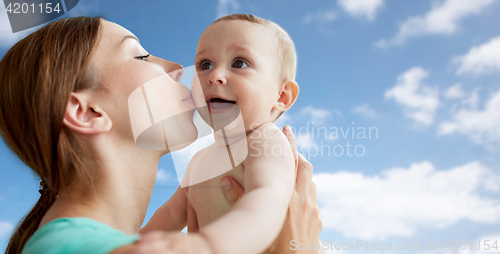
{"type": "Point", "coordinates": [217, 77]}
{"type": "Point", "coordinates": [177, 74]}
{"type": "Point", "coordinates": [174, 70]}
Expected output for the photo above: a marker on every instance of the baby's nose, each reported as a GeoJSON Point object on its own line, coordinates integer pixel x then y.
{"type": "Point", "coordinates": [217, 77]}
{"type": "Point", "coordinates": [219, 81]}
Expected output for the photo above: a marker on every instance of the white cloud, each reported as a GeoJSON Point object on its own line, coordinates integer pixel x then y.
{"type": "Point", "coordinates": [419, 101]}
{"type": "Point", "coordinates": [324, 16]}
{"type": "Point", "coordinates": [163, 176]}
{"type": "Point", "coordinates": [6, 229]}
{"type": "Point", "coordinates": [362, 8]}
{"type": "Point", "coordinates": [473, 99]}
{"type": "Point", "coordinates": [313, 117]}
{"type": "Point", "coordinates": [482, 126]}
{"type": "Point", "coordinates": [398, 201]}
{"type": "Point", "coordinates": [226, 7]}
{"type": "Point", "coordinates": [455, 92]}
{"type": "Point", "coordinates": [317, 115]}
{"type": "Point", "coordinates": [304, 142]}
{"type": "Point", "coordinates": [311, 114]}
{"type": "Point", "coordinates": [364, 109]}
{"type": "Point", "coordinates": [443, 18]}
{"type": "Point", "coordinates": [481, 59]}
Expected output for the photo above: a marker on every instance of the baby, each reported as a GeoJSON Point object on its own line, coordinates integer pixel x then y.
{"type": "Point", "coordinates": [246, 69]}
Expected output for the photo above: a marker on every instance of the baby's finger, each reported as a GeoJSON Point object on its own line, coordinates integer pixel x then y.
{"type": "Point", "coordinates": [304, 176]}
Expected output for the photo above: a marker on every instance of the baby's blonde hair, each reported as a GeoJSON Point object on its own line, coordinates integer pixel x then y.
{"type": "Point", "coordinates": [287, 57]}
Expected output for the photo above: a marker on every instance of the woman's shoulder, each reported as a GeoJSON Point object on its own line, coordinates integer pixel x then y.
{"type": "Point", "coordinates": [76, 235]}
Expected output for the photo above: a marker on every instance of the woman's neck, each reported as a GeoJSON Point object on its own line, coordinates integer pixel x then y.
{"type": "Point", "coordinates": [120, 195]}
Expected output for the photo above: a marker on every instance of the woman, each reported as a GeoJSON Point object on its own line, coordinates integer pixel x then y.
{"type": "Point", "coordinates": [64, 112]}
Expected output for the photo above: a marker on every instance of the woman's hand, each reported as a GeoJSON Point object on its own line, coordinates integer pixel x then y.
{"type": "Point", "coordinates": [302, 223]}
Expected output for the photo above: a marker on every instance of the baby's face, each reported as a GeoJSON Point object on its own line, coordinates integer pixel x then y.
{"type": "Point", "coordinates": [236, 62]}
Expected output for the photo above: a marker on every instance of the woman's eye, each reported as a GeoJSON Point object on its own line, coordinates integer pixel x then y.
{"type": "Point", "coordinates": [144, 58]}
{"type": "Point", "coordinates": [238, 63]}
{"type": "Point", "coordinates": [206, 65]}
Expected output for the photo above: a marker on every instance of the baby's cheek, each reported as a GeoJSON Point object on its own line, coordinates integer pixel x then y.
{"type": "Point", "coordinates": [248, 115]}
{"type": "Point", "coordinates": [198, 95]}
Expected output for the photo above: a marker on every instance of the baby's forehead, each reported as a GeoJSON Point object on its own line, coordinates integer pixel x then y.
{"type": "Point", "coordinates": [247, 34]}
{"type": "Point", "coordinates": [243, 30]}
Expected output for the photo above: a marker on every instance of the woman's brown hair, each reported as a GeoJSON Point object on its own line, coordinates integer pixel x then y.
{"type": "Point", "coordinates": [37, 77]}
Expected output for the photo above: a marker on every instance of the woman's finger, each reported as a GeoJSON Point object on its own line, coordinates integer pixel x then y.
{"type": "Point", "coordinates": [192, 220]}
{"type": "Point", "coordinates": [304, 175]}
{"type": "Point", "coordinates": [232, 189]}
{"type": "Point", "coordinates": [287, 130]}
{"type": "Point", "coordinates": [313, 193]}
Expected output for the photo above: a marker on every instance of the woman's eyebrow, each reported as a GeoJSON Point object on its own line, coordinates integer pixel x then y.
{"type": "Point", "coordinates": [130, 37]}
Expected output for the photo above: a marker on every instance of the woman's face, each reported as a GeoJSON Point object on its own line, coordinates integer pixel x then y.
{"type": "Point", "coordinates": [124, 66]}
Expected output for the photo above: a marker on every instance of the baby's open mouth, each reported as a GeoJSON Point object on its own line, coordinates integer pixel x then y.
{"type": "Point", "coordinates": [219, 105]}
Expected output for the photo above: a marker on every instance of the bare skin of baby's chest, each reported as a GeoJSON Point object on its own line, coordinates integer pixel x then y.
{"type": "Point", "coordinates": [208, 199]}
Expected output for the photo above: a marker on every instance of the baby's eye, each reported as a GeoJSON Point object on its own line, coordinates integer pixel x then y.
{"type": "Point", "coordinates": [205, 65]}
{"type": "Point", "coordinates": [239, 63]}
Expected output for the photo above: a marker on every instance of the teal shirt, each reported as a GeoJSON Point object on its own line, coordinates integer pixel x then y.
{"type": "Point", "coordinates": [76, 235]}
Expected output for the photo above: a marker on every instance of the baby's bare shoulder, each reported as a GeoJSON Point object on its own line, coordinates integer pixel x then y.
{"type": "Point", "coordinates": [268, 143]}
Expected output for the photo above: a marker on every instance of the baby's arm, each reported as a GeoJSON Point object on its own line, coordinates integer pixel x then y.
{"type": "Point", "coordinates": [171, 216]}
{"type": "Point", "coordinates": [256, 220]}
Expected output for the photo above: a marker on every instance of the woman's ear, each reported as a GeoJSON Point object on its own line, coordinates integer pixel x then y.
{"type": "Point", "coordinates": [287, 96]}
{"type": "Point", "coordinates": [83, 117]}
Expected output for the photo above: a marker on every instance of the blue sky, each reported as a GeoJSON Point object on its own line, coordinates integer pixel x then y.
{"type": "Point", "coordinates": [423, 74]}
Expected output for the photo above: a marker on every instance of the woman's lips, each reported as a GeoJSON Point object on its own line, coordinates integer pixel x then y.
{"type": "Point", "coordinates": [189, 100]}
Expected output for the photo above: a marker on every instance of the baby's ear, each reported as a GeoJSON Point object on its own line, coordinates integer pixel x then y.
{"type": "Point", "coordinates": [287, 96]}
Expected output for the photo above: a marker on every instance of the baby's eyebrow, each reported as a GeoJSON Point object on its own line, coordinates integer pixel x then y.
{"type": "Point", "coordinates": [236, 47]}
{"type": "Point", "coordinates": [201, 52]}
{"type": "Point", "coordinates": [239, 47]}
